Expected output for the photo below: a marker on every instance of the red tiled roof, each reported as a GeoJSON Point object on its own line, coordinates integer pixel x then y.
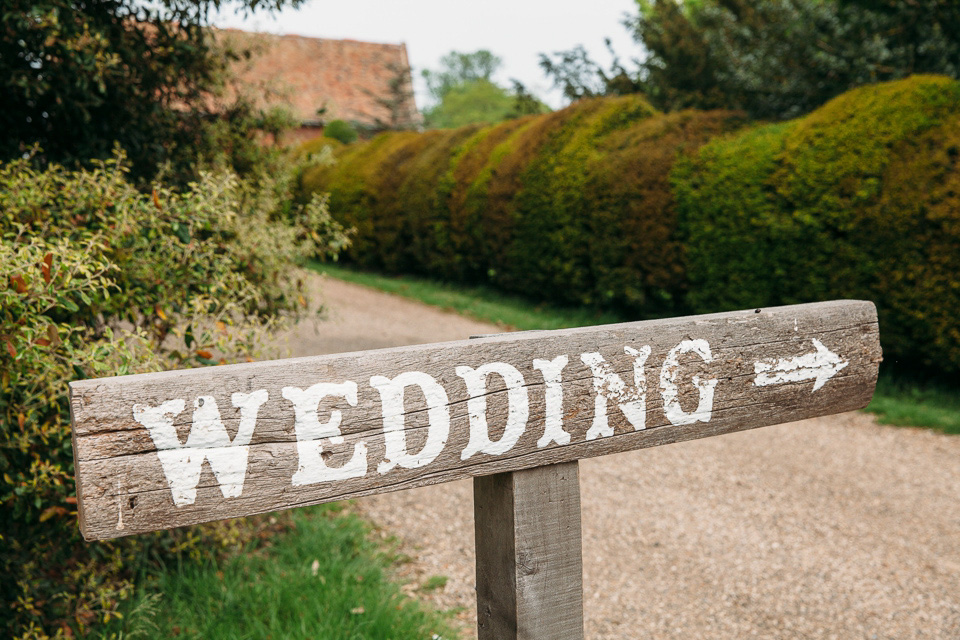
{"type": "Point", "coordinates": [307, 74]}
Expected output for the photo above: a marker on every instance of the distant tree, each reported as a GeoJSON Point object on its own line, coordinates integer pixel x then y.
{"type": "Point", "coordinates": [466, 94]}
{"type": "Point", "coordinates": [478, 101]}
{"type": "Point", "coordinates": [77, 77]}
{"type": "Point", "coordinates": [524, 102]}
{"type": "Point", "coordinates": [458, 69]}
{"type": "Point", "coordinates": [578, 76]}
{"type": "Point", "coordinates": [574, 73]}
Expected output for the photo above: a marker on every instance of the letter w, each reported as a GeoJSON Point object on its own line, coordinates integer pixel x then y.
{"type": "Point", "coordinates": [207, 440]}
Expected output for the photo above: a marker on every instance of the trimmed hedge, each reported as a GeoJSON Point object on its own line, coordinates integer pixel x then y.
{"type": "Point", "coordinates": [543, 206]}
{"type": "Point", "coordinates": [611, 204]}
{"type": "Point", "coordinates": [859, 199]}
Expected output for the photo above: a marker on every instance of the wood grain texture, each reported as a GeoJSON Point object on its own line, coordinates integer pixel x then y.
{"type": "Point", "coordinates": [529, 555]}
{"type": "Point", "coordinates": [123, 489]}
{"type": "Point", "coordinates": [494, 526]}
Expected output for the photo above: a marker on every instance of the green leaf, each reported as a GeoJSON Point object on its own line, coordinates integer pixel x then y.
{"type": "Point", "coordinates": [182, 232]}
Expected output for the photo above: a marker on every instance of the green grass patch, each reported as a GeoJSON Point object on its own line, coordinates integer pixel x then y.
{"type": "Point", "coordinates": [480, 303]}
{"type": "Point", "coordinates": [898, 400]}
{"type": "Point", "coordinates": [908, 403]}
{"type": "Point", "coordinates": [323, 579]}
{"type": "Point", "coordinates": [434, 582]}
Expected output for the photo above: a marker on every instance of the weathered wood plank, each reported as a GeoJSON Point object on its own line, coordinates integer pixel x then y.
{"type": "Point", "coordinates": [494, 526]}
{"type": "Point", "coordinates": [175, 448]}
{"type": "Point", "coordinates": [529, 556]}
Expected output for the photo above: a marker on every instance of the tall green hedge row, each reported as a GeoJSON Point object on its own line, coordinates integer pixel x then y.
{"type": "Point", "coordinates": [613, 204]}
{"type": "Point", "coordinates": [859, 199]}
{"type": "Point", "coordinates": [506, 204]}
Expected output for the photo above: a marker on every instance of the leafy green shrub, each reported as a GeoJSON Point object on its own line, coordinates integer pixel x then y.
{"type": "Point", "coordinates": [531, 204]}
{"type": "Point", "coordinates": [634, 255]}
{"type": "Point", "coordinates": [857, 199]}
{"type": "Point", "coordinates": [355, 181]}
{"type": "Point", "coordinates": [340, 130]}
{"type": "Point", "coordinates": [463, 188]}
{"type": "Point", "coordinates": [421, 204]}
{"type": "Point", "coordinates": [552, 244]}
{"type": "Point", "coordinates": [316, 145]}
{"type": "Point", "coordinates": [235, 139]}
{"type": "Point", "coordinates": [100, 279]}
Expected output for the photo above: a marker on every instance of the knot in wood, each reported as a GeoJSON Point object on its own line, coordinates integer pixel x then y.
{"type": "Point", "coordinates": [526, 564]}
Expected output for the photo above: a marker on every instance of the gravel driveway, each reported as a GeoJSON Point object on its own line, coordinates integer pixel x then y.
{"type": "Point", "coordinates": [828, 528]}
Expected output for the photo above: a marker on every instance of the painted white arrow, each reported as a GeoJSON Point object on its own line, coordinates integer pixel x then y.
{"type": "Point", "coordinates": [821, 365]}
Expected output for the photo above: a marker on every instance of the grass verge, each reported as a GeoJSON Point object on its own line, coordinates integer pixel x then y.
{"type": "Point", "coordinates": [323, 579]}
{"type": "Point", "coordinates": [908, 403]}
{"type": "Point", "coordinates": [897, 401]}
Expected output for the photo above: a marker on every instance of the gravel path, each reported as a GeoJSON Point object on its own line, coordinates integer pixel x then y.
{"type": "Point", "coordinates": [828, 528]}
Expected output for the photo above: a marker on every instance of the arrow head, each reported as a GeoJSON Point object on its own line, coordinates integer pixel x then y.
{"type": "Point", "coordinates": [827, 363]}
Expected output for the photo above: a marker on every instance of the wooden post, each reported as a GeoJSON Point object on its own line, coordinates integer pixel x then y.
{"type": "Point", "coordinates": [529, 560]}
{"type": "Point", "coordinates": [529, 553]}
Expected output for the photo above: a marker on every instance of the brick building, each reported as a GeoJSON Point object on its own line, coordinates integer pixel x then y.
{"type": "Point", "coordinates": [367, 84]}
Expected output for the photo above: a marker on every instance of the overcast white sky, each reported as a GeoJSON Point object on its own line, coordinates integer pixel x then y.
{"type": "Point", "coordinates": [515, 30]}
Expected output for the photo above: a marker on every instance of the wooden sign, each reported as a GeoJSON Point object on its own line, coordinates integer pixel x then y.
{"type": "Point", "coordinates": [162, 450]}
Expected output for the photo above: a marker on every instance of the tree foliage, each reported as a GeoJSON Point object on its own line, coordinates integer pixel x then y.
{"type": "Point", "coordinates": [781, 58]}
{"type": "Point", "coordinates": [466, 94]}
{"type": "Point", "coordinates": [575, 73]}
{"type": "Point", "coordinates": [524, 102]}
{"type": "Point", "coordinates": [479, 101]}
{"type": "Point", "coordinates": [772, 58]}
{"type": "Point", "coordinates": [458, 69]}
{"type": "Point", "coordinates": [79, 77]}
